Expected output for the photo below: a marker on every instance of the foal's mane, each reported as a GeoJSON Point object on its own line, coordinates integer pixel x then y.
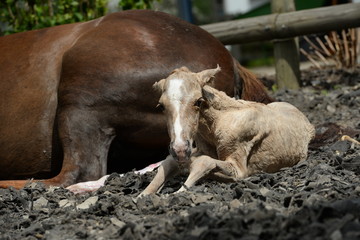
{"type": "Point", "coordinates": [219, 100]}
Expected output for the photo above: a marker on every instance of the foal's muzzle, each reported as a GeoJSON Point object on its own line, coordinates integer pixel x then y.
{"type": "Point", "coordinates": [180, 152]}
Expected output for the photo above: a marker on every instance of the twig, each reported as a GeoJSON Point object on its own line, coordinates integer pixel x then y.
{"type": "Point", "coordinates": [343, 49]}
{"type": "Point", "coordinates": [353, 46]}
{"type": "Point", "coordinates": [311, 59]}
{"type": "Point", "coordinates": [322, 45]}
{"type": "Point", "coordinates": [321, 57]}
{"type": "Point", "coordinates": [312, 44]}
{"type": "Point", "coordinates": [346, 48]}
{"type": "Point", "coordinates": [330, 44]}
{"type": "Point", "coordinates": [347, 138]}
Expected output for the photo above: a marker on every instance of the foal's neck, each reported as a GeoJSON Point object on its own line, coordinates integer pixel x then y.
{"type": "Point", "coordinates": [212, 109]}
{"type": "Point", "coordinates": [215, 103]}
{"type": "Point", "coordinates": [219, 101]}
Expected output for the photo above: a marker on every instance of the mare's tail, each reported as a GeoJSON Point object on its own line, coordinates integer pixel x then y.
{"type": "Point", "coordinates": [17, 184]}
{"type": "Point", "coordinates": [249, 87]}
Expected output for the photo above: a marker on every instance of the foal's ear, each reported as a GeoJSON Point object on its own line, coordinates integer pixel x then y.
{"type": "Point", "coordinates": [207, 75]}
{"type": "Point", "coordinates": [159, 86]}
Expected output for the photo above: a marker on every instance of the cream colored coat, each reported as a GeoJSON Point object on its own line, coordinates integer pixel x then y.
{"type": "Point", "coordinates": [234, 138]}
{"type": "Point", "coordinates": [254, 137]}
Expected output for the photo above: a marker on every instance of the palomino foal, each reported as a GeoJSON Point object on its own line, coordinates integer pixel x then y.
{"type": "Point", "coordinates": [233, 138]}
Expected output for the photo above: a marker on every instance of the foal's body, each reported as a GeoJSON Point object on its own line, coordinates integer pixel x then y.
{"type": "Point", "coordinates": [252, 137]}
{"type": "Point", "coordinates": [234, 138]}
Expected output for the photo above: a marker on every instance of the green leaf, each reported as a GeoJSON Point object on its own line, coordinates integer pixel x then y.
{"type": "Point", "coordinates": [79, 16]}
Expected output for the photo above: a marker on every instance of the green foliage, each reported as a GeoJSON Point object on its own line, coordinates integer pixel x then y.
{"type": "Point", "coordinates": [324, 92]}
{"type": "Point", "coordinates": [264, 61]}
{"type": "Point", "coordinates": [23, 15]}
{"type": "Point", "coordinates": [274, 88]}
{"type": "Point", "coordinates": [136, 4]}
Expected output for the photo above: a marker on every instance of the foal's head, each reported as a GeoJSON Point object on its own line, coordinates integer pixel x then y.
{"type": "Point", "coordinates": [181, 100]}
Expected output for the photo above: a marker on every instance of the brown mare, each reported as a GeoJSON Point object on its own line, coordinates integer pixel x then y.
{"type": "Point", "coordinates": [75, 97]}
{"type": "Point", "coordinates": [234, 138]}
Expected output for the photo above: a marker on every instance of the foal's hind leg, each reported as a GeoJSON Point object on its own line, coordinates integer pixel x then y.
{"type": "Point", "coordinates": [223, 170]}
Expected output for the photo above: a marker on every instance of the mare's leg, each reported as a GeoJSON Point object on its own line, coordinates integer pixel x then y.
{"type": "Point", "coordinates": [222, 170]}
{"type": "Point", "coordinates": [168, 168]}
{"type": "Point", "coordinates": [85, 142]}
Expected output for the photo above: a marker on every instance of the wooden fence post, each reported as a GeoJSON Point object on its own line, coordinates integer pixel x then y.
{"type": "Point", "coordinates": [286, 52]}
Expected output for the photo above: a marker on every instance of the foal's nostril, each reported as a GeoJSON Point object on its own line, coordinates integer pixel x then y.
{"type": "Point", "coordinates": [188, 148]}
{"type": "Point", "coordinates": [172, 151]}
{"type": "Point", "coordinates": [180, 151]}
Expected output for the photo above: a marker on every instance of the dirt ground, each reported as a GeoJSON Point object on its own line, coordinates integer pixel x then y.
{"type": "Point", "coordinates": [316, 199]}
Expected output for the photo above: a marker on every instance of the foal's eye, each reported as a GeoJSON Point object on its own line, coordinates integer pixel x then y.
{"type": "Point", "coordinates": [160, 106]}
{"type": "Point", "coordinates": [199, 102]}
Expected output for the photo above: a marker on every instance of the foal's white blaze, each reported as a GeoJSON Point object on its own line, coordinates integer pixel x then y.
{"type": "Point", "coordinates": [175, 94]}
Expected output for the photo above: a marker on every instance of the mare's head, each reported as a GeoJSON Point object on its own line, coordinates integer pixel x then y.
{"type": "Point", "coordinates": [181, 99]}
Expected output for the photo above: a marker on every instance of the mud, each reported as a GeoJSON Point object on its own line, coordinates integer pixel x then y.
{"type": "Point", "coordinates": [316, 199]}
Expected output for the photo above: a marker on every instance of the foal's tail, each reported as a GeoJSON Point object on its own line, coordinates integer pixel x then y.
{"type": "Point", "coordinates": [249, 87]}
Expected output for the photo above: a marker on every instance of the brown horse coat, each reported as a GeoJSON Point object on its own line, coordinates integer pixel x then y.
{"type": "Point", "coordinates": [68, 91]}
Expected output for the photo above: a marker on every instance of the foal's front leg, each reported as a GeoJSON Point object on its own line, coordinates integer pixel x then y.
{"type": "Point", "coordinates": [168, 168]}
{"type": "Point", "coordinates": [223, 170]}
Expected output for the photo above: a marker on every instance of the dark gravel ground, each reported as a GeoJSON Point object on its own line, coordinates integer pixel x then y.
{"type": "Point", "coordinates": [317, 199]}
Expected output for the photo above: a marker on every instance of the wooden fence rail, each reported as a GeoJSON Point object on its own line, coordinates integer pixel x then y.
{"type": "Point", "coordinates": [286, 25]}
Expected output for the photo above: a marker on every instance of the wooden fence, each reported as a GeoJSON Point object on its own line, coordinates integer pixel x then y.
{"type": "Point", "coordinates": [286, 25]}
